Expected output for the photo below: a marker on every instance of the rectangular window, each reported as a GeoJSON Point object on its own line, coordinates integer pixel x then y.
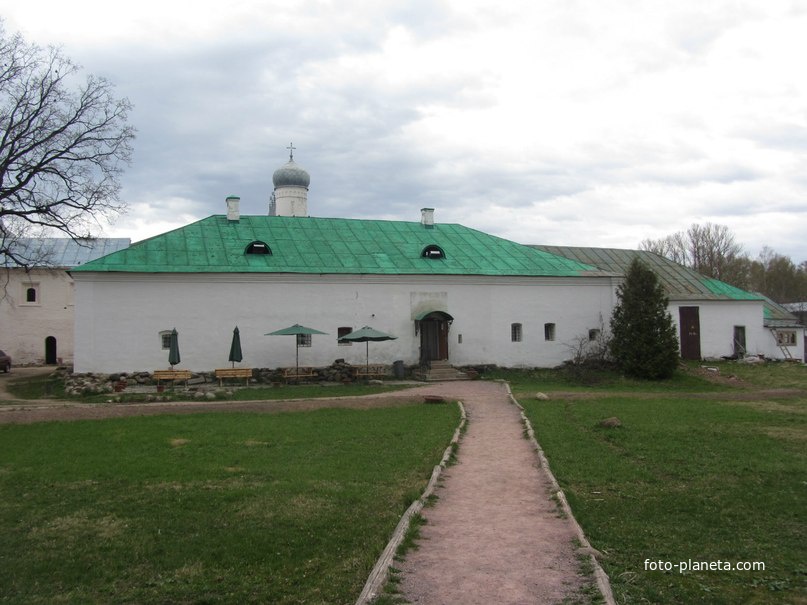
{"type": "Point", "coordinates": [165, 339]}
{"type": "Point", "coordinates": [593, 334]}
{"type": "Point", "coordinates": [304, 340]}
{"type": "Point", "coordinates": [549, 331]}
{"type": "Point", "coordinates": [515, 333]}
{"type": "Point", "coordinates": [342, 332]}
{"type": "Point", "coordinates": [786, 338]}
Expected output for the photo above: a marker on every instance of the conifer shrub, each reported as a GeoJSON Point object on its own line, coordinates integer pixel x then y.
{"type": "Point", "coordinates": [643, 336]}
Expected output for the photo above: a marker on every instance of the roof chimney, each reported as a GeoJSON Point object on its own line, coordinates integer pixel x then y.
{"type": "Point", "coordinates": [233, 213]}
{"type": "Point", "coordinates": [427, 217]}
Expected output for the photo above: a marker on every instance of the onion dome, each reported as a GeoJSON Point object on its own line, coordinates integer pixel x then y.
{"type": "Point", "coordinates": [291, 174]}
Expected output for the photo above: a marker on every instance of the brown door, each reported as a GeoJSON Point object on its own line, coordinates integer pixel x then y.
{"type": "Point", "coordinates": [689, 319]}
{"type": "Point", "coordinates": [433, 339]}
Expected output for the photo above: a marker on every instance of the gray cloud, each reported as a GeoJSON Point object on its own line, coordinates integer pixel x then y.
{"type": "Point", "coordinates": [546, 123]}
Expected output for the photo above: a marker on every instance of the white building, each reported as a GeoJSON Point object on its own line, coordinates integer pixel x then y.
{"type": "Point", "coordinates": [714, 319]}
{"type": "Point", "coordinates": [37, 301]}
{"type": "Point", "coordinates": [446, 291]}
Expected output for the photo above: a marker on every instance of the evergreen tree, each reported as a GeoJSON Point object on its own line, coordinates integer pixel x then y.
{"type": "Point", "coordinates": [644, 342]}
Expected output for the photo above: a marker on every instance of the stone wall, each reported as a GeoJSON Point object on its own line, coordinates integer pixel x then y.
{"type": "Point", "coordinates": [95, 383]}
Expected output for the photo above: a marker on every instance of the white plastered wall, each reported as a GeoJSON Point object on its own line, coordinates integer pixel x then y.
{"type": "Point", "coordinates": [119, 317]}
{"type": "Point", "coordinates": [24, 326]}
{"type": "Point", "coordinates": [717, 321]}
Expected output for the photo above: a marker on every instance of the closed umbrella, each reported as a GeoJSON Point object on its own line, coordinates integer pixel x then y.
{"type": "Point", "coordinates": [235, 347]}
{"type": "Point", "coordinates": [173, 349]}
{"type": "Point", "coordinates": [295, 331]}
{"type": "Point", "coordinates": [367, 335]}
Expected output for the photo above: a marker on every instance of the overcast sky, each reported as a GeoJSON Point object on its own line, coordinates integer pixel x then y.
{"type": "Point", "coordinates": [561, 122]}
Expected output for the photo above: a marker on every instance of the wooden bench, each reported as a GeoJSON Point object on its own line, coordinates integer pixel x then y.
{"type": "Point", "coordinates": [297, 373]}
{"type": "Point", "coordinates": [171, 375]}
{"type": "Point", "coordinates": [371, 371]}
{"type": "Point", "coordinates": [245, 373]}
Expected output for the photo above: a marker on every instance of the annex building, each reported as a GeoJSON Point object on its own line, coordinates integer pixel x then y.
{"type": "Point", "coordinates": [37, 296]}
{"type": "Point", "coordinates": [446, 291]}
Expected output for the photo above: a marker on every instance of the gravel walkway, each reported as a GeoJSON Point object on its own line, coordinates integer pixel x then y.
{"type": "Point", "coordinates": [494, 535]}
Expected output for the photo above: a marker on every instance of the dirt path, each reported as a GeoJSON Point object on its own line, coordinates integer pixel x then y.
{"type": "Point", "coordinates": [494, 535]}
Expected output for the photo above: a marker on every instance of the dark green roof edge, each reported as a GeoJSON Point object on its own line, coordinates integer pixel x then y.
{"type": "Point", "coordinates": [679, 282]}
{"type": "Point", "coordinates": [310, 245]}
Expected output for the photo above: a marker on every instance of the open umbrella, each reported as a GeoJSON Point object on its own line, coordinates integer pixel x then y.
{"type": "Point", "coordinates": [366, 335]}
{"type": "Point", "coordinates": [173, 348]}
{"type": "Point", "coordinates": [295, 331]}
{"type": "Point", "coordinates": [235, 347]}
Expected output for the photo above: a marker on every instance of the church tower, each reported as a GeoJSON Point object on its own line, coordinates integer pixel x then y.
{"type": "Point", "coordinates": [291, 180]}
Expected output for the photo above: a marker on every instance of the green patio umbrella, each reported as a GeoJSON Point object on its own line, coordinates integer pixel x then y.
{"type": "Point", "coordinates": [235, 347]}
{"type": "Point", "coordinates": [367, 335]}
{"type": "Point", "coordinates": [296, 330]}
{"type": "Point", "coordinates": [173, 349]}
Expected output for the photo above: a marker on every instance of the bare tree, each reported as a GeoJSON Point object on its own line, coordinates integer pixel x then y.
{"type": "Point", "coordinates": [674, 247]}
{"type": "Point", "coordinates": [63, 145]}
{"type": "Point", "coordinates": [708, 249]}
{"type": "Point", "coordinates": [713, 248]}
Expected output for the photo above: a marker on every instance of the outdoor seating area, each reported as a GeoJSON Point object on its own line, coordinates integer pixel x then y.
{"type": "Point", "coordinates": [171, 375]}
{"type": "Point", "coordinates": [296, 374]}
{"type": "Point", "coordinates": [233, 373]}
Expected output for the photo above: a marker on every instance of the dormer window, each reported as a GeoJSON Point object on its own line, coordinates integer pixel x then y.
{"type": "Point", "coordinates": [258, 247]}
{"type": "Point", "coordinates": [433, 251]}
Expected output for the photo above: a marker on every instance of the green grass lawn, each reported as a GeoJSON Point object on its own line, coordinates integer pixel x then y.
{"type": "Point", "coordinates": [715, 474]}
{"type": "Point", "coordinates": [209, 508]}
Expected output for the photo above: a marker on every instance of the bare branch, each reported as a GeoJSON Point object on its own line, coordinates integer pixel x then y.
{"type": "Point", "coordinates": [62, 148]}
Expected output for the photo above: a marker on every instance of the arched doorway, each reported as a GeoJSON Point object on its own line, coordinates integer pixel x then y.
{"type": "Point", "coordinates": [50, 350]}
{"type": "Point", "coordinates": [433, 327]}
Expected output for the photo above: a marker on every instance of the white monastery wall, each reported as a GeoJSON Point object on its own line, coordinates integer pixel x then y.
{"type": "Point", "coordinates": [120, 317]}
{"type": "Point", "coordinates": [25, 325]}
{"type": "Point", "coordinates": [717, 321]}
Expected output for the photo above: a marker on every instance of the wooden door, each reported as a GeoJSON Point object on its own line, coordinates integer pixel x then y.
{"type": "Point", "coordinates": [689, 321]}
{"type": "Point", "coordinates": [433, 340]}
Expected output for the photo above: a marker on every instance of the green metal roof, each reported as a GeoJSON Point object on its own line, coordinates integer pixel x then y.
{"type": "Point", "coordinates": [330, 245]}
{"type": "Point", "coordinates": [679, 282]}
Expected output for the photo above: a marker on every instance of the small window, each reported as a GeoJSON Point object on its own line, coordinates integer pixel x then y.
{"type": "Point", "coordinates": [165, 339]}
{"type": "Point", "coordinates": [549, 331]}
{"type": "Point", "coordinates": [29, 295]}
{"type": "Point", "coordinates": [304, 340]}
{"type": "Point", "coordinates": [258, 247]}
{"type": "Point", "coordinates": [515, 332]}
{"type": "Point", "coordinates": [593, 334]}
{"type": "Point", "coordinates": [433, 251]}
{"type": "Point", "coordinates": [342, 332]}
{"type": "Point", "coordinates": [786, 338]}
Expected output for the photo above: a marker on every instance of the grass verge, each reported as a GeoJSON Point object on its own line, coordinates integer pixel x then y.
{"type": "Point", "coordinates": [50, 387]}
{"type": "Point", "coordinates": [209, 508]}
{"type": "Point", "coordinates": [705, 476]}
